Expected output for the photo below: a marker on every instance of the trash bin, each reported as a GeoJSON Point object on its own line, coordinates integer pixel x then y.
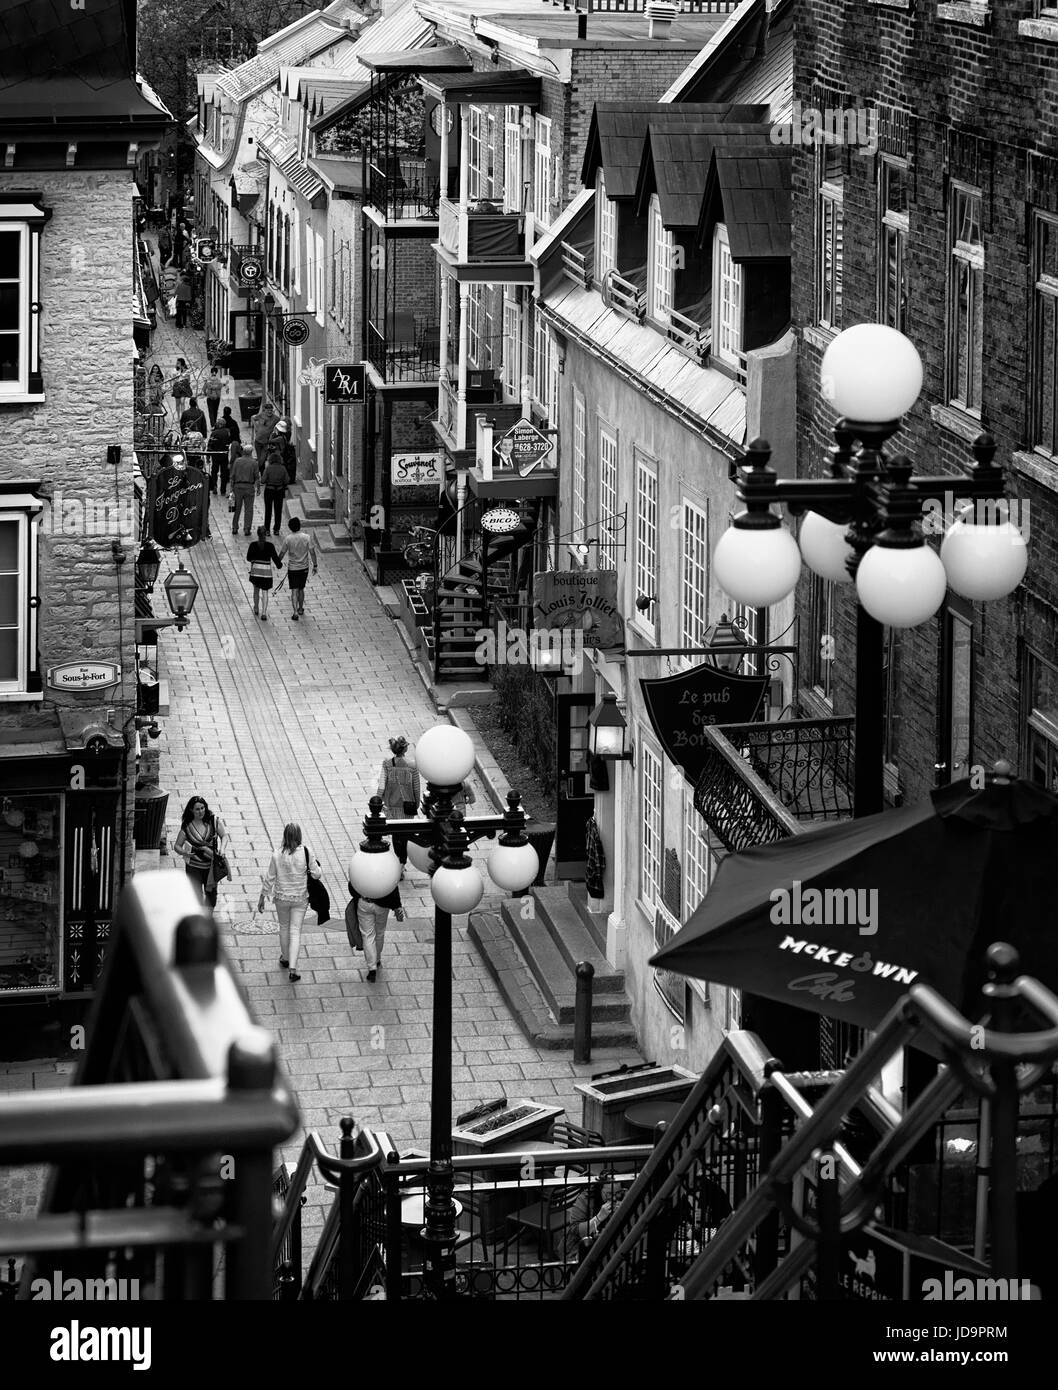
{"type": "Point", "coordinates": [149, 823]}
{"type": "Point", "coordinates": [541, 837]}
{"type": "Point", "coordinates": [249, 406]}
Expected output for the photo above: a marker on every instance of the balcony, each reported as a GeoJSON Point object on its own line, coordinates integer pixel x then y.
{"type": "Point", "coordinates": [692, 337]}
{"type": "Point", "coordinates": [455, 423]}
{"type": "Point", "coordinates": [764, 782]}
{"type": "Point", "coordinates": [405, 349]}
{"type": "Point", "coordinates": [484, 239]}
{"type": "Point", "coordinates": [625, 296]}
{"type": "Point", "coordinates": [402, 191]}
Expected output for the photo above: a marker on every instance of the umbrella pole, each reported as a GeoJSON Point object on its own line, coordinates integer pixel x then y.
{"type": "Point", "coordinates": [984, 1169]}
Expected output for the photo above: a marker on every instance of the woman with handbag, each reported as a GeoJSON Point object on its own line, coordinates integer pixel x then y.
{"type": "Point", "coordinates": [401, 791]}
{"type": "Point", "coordinates": [202, 841]}
{"type": "Point", "coordinates": [367, 929]}
{"type": "Point", "coordinates": [261, 554]}
{"type": "Point", "coordinates": [287, 883]}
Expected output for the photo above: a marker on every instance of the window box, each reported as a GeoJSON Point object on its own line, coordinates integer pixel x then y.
{"type": "Point", "coordinates": [516, 1122]}
{"type": "Point", "coordinates": [1045, 28]}
{"type": "Point", "coordinates": [964, 12]}
{"type": "Point", "coordinates": [606, 1099]}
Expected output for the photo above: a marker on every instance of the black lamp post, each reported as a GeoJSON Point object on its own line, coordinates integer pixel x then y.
{"type": "Point", "coordinates": [862, 524]}
{"type": "Point", "coordinates": [148, 563]}
{"type": "Point", "coordinates": [445, 758]}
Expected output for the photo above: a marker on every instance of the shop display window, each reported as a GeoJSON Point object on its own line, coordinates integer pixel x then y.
{"type": "Point", "coordinates": [30, 892]}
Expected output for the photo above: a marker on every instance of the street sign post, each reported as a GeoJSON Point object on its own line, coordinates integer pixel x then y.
{"type": "Point", "coordinates": [345, 383]}
{"type": "Point", "coordinates": [522, 448]}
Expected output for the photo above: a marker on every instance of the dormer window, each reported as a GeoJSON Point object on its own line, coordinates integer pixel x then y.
{"type": "Point", "coordinates": [661, 260]}
{"type": "Point", "coordinates": [727, 301]}
{"type": "Point", "coordinates": [605, 230]}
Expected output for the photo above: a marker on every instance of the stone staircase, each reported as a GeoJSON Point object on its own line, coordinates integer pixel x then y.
{"type": "Point", "coordinates": [533, 955]}
{"type": "Point", "coordinates": [313, 504]}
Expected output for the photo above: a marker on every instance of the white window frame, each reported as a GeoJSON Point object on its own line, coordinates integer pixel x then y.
{"type": "Point", "coordinates": [321, 280]}
{"type": "Point", "coordinates": [540, 341]}
{"type": "Point", "coordinates": [475, 325]}
{"type": "Point", "coordinates": [699, 862]}
{"type": "Point", "coordinates": [296, 389]}
{"type": "Point", "coordinates": [551, 383]}
{"type": "Point", "coordinates": [605, 230]}
{"type": "Point", "coordinates": [542, 171]}
{"type": "Point", "coordinates": [609, 445]}
{"type": "Point", "coordinates": [579, 474]}
{"type": "Point", "coordinates": [894, 228]}
{"type": "Point", "coordinates": [1045, 291]}
{"type": "Point", "coordinates": [660, 258]}
{"type": "Point", "coordinates": [512, 347]}
{"type": "Point", "coordinates": [28, 220]}
{"type": "Point", "coordinates": [727, 301]}
{"type": "Point", "coordinates": [314, 416]}
{"type": "Point", "coordinates": [971, 256]}
{"type": "Point", "coordinates": [830, 232]}
{"type": "Point", "coordinates": [477, 157]}
{"type": "Point", "coordinates": [310, 270]}
{"type": "Point", "coordinates": [646, 566]}
{"type": "Point", "coordinates": [513, 195]}
{"type": "Point", "coordinates": [651, 824]}
{"type": "Point", "coordinates": [694, 575]}
{"type": "Point", "coordinates": [25, 511]}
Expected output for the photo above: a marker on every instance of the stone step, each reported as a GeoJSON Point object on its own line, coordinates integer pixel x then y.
{"type": "Point", "coordinates": [317, 501]}
{"type": "Point", "coordinates": [553, 972]}
{"type": "Point", "coordinates": [294, 508]}
{"type": "Point", "coordinates": [448, 670]}
{"type": "Point", "coordinates": [594, 921]}
{"type": "Point", "coordinates": [574, 939]}
{"type": "Point", "coordinates": [523, 997]}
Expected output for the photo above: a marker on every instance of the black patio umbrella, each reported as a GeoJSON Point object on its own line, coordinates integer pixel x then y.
{"type": "Point", "coordinates": [842, 920]}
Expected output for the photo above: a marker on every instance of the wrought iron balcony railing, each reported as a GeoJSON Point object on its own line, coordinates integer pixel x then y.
{"type": "Point", "coordinates": [409, 352]}
{"type": "Point", "coordinates": [403, 191]}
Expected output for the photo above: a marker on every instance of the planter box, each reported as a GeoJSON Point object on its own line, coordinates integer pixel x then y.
{"type": "Point", "coordinates": [606, 1100]}
{"type": "Point", "coordinates": [495, 1133]}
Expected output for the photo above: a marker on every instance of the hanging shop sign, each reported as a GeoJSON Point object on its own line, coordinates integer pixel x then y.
{"type": "Point", "coordinates": [584, 599]}
{"type": "Point", "coordinates": [251, 268]}
{"type": "Point", "coordinates": [178, 505]}
{"type": "Point", "coordinates": [83, 675]}
{"type": "Point", "coordinates": [295, 332]}
{"type": "Point", "coordinates": [500, 521]}
{"type": "Point", "coordinates": [313, 375]}
{"type": "Point", "coordinates": [344, 383]}
{"type": "Point", "coordinates": [522, 448]}
{"type": "Point", "coordinates": [681, 708]}
{"type": "Point", "coordinates": [416, 470]}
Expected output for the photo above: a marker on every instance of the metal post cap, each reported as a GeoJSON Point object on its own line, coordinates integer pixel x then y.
{"type": "Point", "coordinates": [252, 1061]}
{"type": "Point", "coordinates": [196, 941]}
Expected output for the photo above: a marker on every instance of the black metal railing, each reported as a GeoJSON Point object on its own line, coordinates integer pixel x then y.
{"type": "Point", "coordinates": [403, 191]}
{"type": "Point", "coordinates": [806, 763]}
{"type": "Point", "coordinates": [638, 6]}
{"type": "Point", "coordinates": [162, 1148]}
{"type": "Point", "coordinates": [412, 353]}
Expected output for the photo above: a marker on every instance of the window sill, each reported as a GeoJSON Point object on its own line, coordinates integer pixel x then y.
{"type": "Point", "coordinates": [892, 4]}
{"type": "Point", "coordinates": [956, 421]}
{"type": "Point", "coordinates": [24, 398]}
{"type": "Point", "coordinates": [815, 703]}
{"type": "Point", "coordinates": [961, 12]}
{"type": "Point", "coordinates": [1038, 468]}
{"type": "Point", "coordinates": [815, 335]}
{"type": "Point", "coordinates": [644, 630]}
{"type": "Point", "coordinates": [10, 697]}
{"type": "Point", "coordinates": [1045, 28]}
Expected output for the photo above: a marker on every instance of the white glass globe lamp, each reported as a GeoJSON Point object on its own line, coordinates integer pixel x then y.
{"type": "Point", "coordinates": [901, 586]}
{"type": "Point", "coordinates": [871, 374]}
{"type": "Point", "coordinates": [445, 755]}
{"type": "Point", "coordinates": [824, 548]}
{"type": "Point", "coordinates": [457, 890]}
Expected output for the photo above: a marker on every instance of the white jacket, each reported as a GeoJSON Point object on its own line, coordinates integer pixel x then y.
{"type": "Point", "coordinates": [285, 879]}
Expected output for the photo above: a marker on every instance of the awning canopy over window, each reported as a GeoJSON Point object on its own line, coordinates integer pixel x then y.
{"type": "Point", "coordinates": [517, 88]}
{"type": "Point", "coordinates": [449, 59]}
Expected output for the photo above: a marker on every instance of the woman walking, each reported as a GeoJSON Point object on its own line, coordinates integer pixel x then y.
{"type": "Point", "coordinates": [181, 387]}
{"type": "Point", "coordinates": [400, 790]}
{"type": "Point", "coordinates": [155, 389]}
{"type": "Point", "coordinates": [261, 554]}
{"type": "Point", "coordinates": [274, 478]}
{"type": "Point", "coordinates": [201, 837]}
{"type": "Point", "coordinates": [286, 883]}
{"type": "Point", "coordinates": [299, 548]}
{"type": "Point", "coordinates": [372, 914]}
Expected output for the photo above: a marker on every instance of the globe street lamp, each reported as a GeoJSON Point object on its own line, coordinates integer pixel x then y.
{"type": "Point", "coordinates": [444, 757]}
{"type": "Point", "coordinates": [862, 525]}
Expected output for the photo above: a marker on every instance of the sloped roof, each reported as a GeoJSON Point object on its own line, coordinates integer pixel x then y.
{"type": "Point", "coordinates": [72, 99]}
{"type": "Point", "coordinates": [731, 66]}
{"type": "Point", "coordinates": [402, 29]}
{"type": "Point", "coordinates": [675, 165]}
{"type": "Point", "coordinates": [618, 128]}
{"type": "Point", "coordinates": [451, 58]}
{"type": "Point", "coordinates": [291, 47]}
{"type": "Point", "coordinates": [754, 186]}
{"type": "Point", "coordinates": [514, 87]}
{"type": "Point", "coordinates": [48, 40]}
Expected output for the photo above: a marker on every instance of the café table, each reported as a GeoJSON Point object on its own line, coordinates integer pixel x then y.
{"type": "Point", "coordinates": [412, 1209]}
{"type": "Point", "coordinates": [648, 1114]}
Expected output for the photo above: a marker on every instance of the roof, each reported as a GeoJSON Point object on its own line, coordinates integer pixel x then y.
{"type": "Point", "coordinates": [450, 58]}
{"type": "Point", "coordinates": [70, 98]}
{"type": "Point", "coordinates": [514, 87]}
{"type": "Point", "coordinates": [247, 178]}
{"type": "Point", "coordinates": [48, 40]}
{"type": "Point", "coordinates": [641, 353]}
{"type": "Point", "coordinates": [749, 59]}
{"type": "Point", "coordinates": [306, 38]}
{"type": "Point", "coordinates": [340, 175]}
{"type": "Point", "coordinates": [618, 128]}
{"type": "Point", "coordinates": [319, 89]}
{"type": "Point", "coordinates": [556, 28]}
{"type": "Point", "coordinates": [754, 188]}
{"type": "Point", "coordinates": [676, 163]}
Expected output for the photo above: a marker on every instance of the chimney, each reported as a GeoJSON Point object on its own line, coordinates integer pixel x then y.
{"type": "Point", "coordinates": [660, 14]}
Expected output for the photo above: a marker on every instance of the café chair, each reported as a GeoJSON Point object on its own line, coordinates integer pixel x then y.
{"type": "Point", "coordinates": [567, 1135]}
{"type": "Point", "coordinates": [546, 1218]}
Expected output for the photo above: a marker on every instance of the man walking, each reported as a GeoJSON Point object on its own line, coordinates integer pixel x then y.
{"type": "Point", "coordinates": [298, 549]}
{"type": "Point", "coordinates": [217, 448]}
{"type": "Point", "coordinates": [245, 485]}
{"type": "Point", "coordinates": [274, 480]}
{"type": "Point", "coordinates": [183, 301]}
{"type": "Point", "coordinates": [262, 424]}
{"type": "Point", "coordinates": [213, 389]}
{"type": "Point", "coordinates": [281, 440]}
{"type": "Point", "coordinates": [192, 420]}
{"type": "Point", "coordinates": [230, 423]}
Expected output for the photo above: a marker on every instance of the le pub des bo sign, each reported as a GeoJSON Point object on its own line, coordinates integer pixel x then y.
{"type": "Point", "coordinates": [681, 708]}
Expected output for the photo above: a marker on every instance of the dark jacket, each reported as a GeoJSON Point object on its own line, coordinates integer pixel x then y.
{"type": "Point", "coordinates": [391, 900]}
{"type": "Point", "coordinates": [218, 441]}
{"type": "Point", "coordinates": [193, 420]}
{"type": "Point", "coordinates": [263, 550]}
{"type": "Point", "coordinates": [231, 425]}
{"type": "Point", "coordinates": [274, 475]}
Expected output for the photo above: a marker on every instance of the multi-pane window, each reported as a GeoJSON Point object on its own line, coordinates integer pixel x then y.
{"type": "Point", "coordinates": [957, 686]}
{"type": "Point", "coordinates": [476, 324]}
{"type": "Point", "coordinates": [694, 579]}
{"type": "Point", "coordinates": [661, 258]}
{"type": "Point", "coordinates": [727, 301]}
{"type": "Point", "coordinates": [542, 172]}
{"type": "Point", "coordinates": [20, 229]}
{"type": "Point", "coordinates": [892, 243]}
{"type": "Point", "coordinates": [540, 361]}
{"type": "Point", "coordinates": [1041, 725]}
{"type": "Point", "coordinates": [966, 275]}
{"type": "Point", "coordinates": [321, 279]}
{"type": "Point", "coordinates": [831, 173]}
{"type": "Point", "coordinates": [605, 230]}
{"type": "Point", "coordinates": [646, 538]}
{"type": "Point", "coordinates": [512, 160]}
{"type": "Point", "coordinates": [891, 707]}
{"type": "Point", "coordinates": [487, 327]}
{"type": "Point", "coordinates": [607, 498]}
{"type": "Point", "coordinates": [512, 348]}
{"type": "Point", "coordinates": [551, 398]}
{"type": "Point", "coordinates": [18, 585]}
{"type": "Point", "coordinates": [821, 635]}
{"type": "Point", "coordinates": [272, 274]}
{"type": "Point", "coordinates": [1044, 381]}
{"type": "Point", "coordinates": [310, 270]}
{"type": "Point", "coordinates": [650, 803]}
{"type": "Point", "coordinates": [580, 466]}
{"type": "Point", "coordinates": [295, 253]}
{"type": "Point", "coordinates": [480, 180]}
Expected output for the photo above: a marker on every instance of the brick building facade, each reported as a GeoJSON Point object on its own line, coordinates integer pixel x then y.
{"type": "Point", "coordinates": [947, 232]}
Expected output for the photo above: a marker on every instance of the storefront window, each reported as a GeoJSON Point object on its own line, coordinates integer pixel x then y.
{"type": "Point", "coordinates": [30, 897]}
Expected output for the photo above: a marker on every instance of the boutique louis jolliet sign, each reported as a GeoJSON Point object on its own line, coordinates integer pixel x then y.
{"type": "Point", "coordinates": [584, 599]}
{"type": "Point", "coordinates": [681, 708]}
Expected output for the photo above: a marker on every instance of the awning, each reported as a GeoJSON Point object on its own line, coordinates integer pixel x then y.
{"type": "Point", "coordinates": [515, 88]}
{"type": "Point", "coordinates": [449, 59]}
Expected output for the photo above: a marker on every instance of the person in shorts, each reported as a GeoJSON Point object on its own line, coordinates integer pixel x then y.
{"type": "Point", "coordinates": [298, 550]}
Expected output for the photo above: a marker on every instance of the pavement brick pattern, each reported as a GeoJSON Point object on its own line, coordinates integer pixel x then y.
{"type": "Point", "coordinates": [283, 721]}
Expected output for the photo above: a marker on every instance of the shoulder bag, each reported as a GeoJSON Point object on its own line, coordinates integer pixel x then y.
{"type": "Point", "coordinates": [319, 898]}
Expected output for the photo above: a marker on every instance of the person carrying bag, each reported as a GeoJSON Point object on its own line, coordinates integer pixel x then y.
{"type": "Point", "coordinates": [400, 788]}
